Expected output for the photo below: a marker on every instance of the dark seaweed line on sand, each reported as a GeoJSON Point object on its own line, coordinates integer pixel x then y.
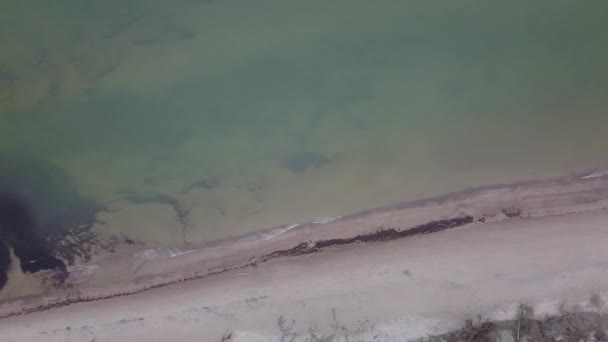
{"type": "Point", "coordinates": [381, 235]}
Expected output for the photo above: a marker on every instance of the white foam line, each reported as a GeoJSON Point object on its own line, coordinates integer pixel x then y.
{"type": "Point", "coordinates": [82, 270]}
{"type": "Point", "coordinates": [596, 174]}
{"type": "Point", "coordinates": [322, 220]}
{"type": "Point", "coordinates": [276, 232]}
{"type": "Point", "coordinates": [162, 253]}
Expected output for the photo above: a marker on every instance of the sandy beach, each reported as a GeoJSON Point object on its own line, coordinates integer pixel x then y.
{"type": "Point", "coordinates": [343, 170]}
{"type": "Point", "coordinates": [478, 253]}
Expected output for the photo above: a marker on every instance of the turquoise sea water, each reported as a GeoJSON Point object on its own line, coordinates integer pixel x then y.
{"type": "Point", "coordinates": [252, 114]}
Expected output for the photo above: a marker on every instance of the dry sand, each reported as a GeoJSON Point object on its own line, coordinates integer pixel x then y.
{"type": "Point", "coordinates": [548, 249]}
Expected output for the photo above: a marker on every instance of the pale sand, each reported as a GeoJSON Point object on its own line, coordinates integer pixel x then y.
{"type": "Point", "coordinates": [555, 252]}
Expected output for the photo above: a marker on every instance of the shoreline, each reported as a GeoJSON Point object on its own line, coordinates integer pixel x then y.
{"type": "Point", "coordinates": [399, 290]}
{"type": "Point", "coordinates": [486, 205]}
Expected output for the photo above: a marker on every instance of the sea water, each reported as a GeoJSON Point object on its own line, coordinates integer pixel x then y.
{"type": "Point", "coordinates": [199, 120]}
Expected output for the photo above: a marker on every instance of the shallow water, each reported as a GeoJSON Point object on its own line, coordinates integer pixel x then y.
{"type": "Point", "coordinates": [246, 115]}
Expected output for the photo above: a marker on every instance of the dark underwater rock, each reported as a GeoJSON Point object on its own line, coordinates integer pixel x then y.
{"type": "Point", "coordinates": [303, 160]}
{"type": "Point", "coordinates": [18, 230]}
{"type": "Point", "coordinates": [49, 193]}
{"type": "Point", "coordinates": [43, 216]}
{"type": "Point", "coordinates": [5, 262]}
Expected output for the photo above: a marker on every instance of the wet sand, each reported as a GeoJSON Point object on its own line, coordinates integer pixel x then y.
{"type": "Point", "coordinates": [404, 270]}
